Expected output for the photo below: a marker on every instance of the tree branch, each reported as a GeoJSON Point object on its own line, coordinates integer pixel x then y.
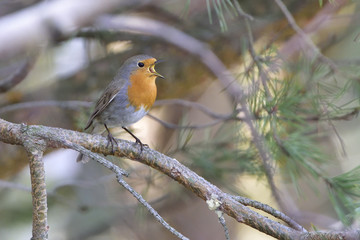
{"type": "Point", "coordinates": [73, 105]}
{"type": "Point", "coordinates": [258, 138]}
{"type": "Point", "coordinates": [214, 64]}
{"type": "Point", "coordinates": [19, 74]}
{"type": "Point", "coordinates": [148, 206]}
{"type": "Point", "coordinates": [198, 106]}
{"type": "Point", "coordinates": [273, 212]}
{"type": "Point", "coordinates": [11, 133]}
{"type": "Point", "coordinates": [297, 41]}
{"type": "Point", "coordinates": [51, 21]}
{"type": "Point", "coordinates": [35, 148]}
{"type": "Point", "coordinates": [61, 138]}
{"type": "Point", "coordinates": [119, 177]}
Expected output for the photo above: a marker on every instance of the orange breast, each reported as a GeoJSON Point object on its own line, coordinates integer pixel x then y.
{"type": "Point", "coordinates": [142, 90]}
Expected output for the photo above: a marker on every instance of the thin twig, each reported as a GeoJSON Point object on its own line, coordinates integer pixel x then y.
{"type": "Point", "coordinates": [265, 154]}
{"type": "Point", "coordinates": [176, 126]}
{"type": "Point", "coordinates": [314, 49]}
{"type": "Point", "coordinates": [73, 105]}
{"type": "Point", "coordinates": [196, 105]}
{"type": "Point", "coordinates": [263, 76]}
{"type": "Point", "coordinates": [273, 212]}
{"type": "Point", "coordinates": [242, 13]}
{"type": "Point", "coordinates": [223, 223]}
{"type": "Point", "coordinates": [149, 208]}
{"type": "Point", "coordinates": [119, 176]}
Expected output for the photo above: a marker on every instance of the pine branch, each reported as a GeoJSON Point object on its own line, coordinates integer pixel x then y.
{"type": "Point", "coordinates": [264, 151]}
{"type": "Point", "coordinates": [197, 48]}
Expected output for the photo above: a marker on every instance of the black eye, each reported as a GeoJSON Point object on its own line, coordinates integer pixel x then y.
{"type": "Point", "coordinates": [141, 64]}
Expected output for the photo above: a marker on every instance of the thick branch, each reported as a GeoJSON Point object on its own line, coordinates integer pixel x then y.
{"type": "Point", "coordinates": [49, 21]}
{"type": "Point", "coordinates": [13, 134]}
{"type": "Point", "coordinates": [35, 148]}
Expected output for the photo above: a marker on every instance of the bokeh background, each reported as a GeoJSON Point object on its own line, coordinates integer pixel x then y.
{"type": "Point", "coordinates": [85, 202]}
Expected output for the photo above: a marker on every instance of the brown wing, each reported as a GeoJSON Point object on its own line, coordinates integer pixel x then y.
{"type": "Point", "coordinates": [109, 94]}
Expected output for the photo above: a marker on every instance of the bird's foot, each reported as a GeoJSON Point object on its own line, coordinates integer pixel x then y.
{"type": "Point", "coordinates": [112, 141]}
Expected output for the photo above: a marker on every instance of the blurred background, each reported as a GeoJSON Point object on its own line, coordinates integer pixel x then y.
{"type": "Point", "coordinates": [309, 121]}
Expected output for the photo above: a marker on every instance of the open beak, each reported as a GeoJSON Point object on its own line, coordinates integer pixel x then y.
{"type": "Point", "coordinates": [152, 70]}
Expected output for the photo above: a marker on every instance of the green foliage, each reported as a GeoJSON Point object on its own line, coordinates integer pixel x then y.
{"type": "Point", "coordinates": [291, 112]}
{"type": "Point", "coordinates": [321, 2]}
{"type": "Point", "coordinates": [344, 193]}
{"type": "Point", "coordinates": [186, 8]}
{"type": "Point", "coordinates": [220, 155]}
{"type": "Point", "coordinates": [221, 8]}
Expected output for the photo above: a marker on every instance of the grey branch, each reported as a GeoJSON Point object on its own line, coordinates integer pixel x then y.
{"type": "Point", "coordinates": [213, 63]}
{"type": "Point", "coordinates": [73, 105]}
{"type": "Point", "coordinates": [223, 223]}
{"type": "Point", "coordinates": [35, 148]}
{"type": "Point", "coordinates": [119, 176]}
{"type": "Point", "coordinates": [49, 21]}
{"type": "Point", "coordinates": [148, 206]}
{"type": "Point", "coordinates": [18, 75]}
{"type": "Point", "coordinates": [196, 105]}
{"type": "Point", "coordinates": [266, 208]}
{"type": "Point", "coordinates": [61, 138]}
{"type": "Point", "coordinates": [314, 50]}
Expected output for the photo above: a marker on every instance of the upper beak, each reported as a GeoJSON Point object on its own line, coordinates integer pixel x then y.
{"type": "Point", "coordinates": [152, 70]}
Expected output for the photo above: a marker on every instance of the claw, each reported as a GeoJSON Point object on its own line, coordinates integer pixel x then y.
{"type": "Point", "coordinates": [137, 140]}
{"type": "Point", "coordinates": [111, 140]}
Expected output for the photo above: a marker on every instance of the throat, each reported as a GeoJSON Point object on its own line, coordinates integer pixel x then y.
{"type": "Point", "coordinates": [142, 92]}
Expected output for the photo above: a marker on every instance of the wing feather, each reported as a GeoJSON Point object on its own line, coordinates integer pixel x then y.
{"type": "Point", "coordinates": [106, 98]}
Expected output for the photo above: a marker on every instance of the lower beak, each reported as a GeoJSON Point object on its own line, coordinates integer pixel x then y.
{"type": "Point", "coordinates": [158, 75]}
{"type": "Point", "coordinates": [154, 73]}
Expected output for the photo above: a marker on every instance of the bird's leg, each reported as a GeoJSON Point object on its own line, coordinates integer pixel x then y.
{"type": "Point", "coordinates": [137, 140]}
{"type": "Point", "coordinates": [111, 140]}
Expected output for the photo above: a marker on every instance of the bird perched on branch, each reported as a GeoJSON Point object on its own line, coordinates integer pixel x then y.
{"type": "Point", "coordinates": [126, 100]}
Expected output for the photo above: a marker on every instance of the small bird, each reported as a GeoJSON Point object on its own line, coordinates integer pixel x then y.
{"type": "Point", "coordinates": [127, 98]}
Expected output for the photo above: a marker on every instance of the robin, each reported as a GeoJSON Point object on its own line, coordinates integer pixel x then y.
{"type": "Point", "coordinates": [126, 100]}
